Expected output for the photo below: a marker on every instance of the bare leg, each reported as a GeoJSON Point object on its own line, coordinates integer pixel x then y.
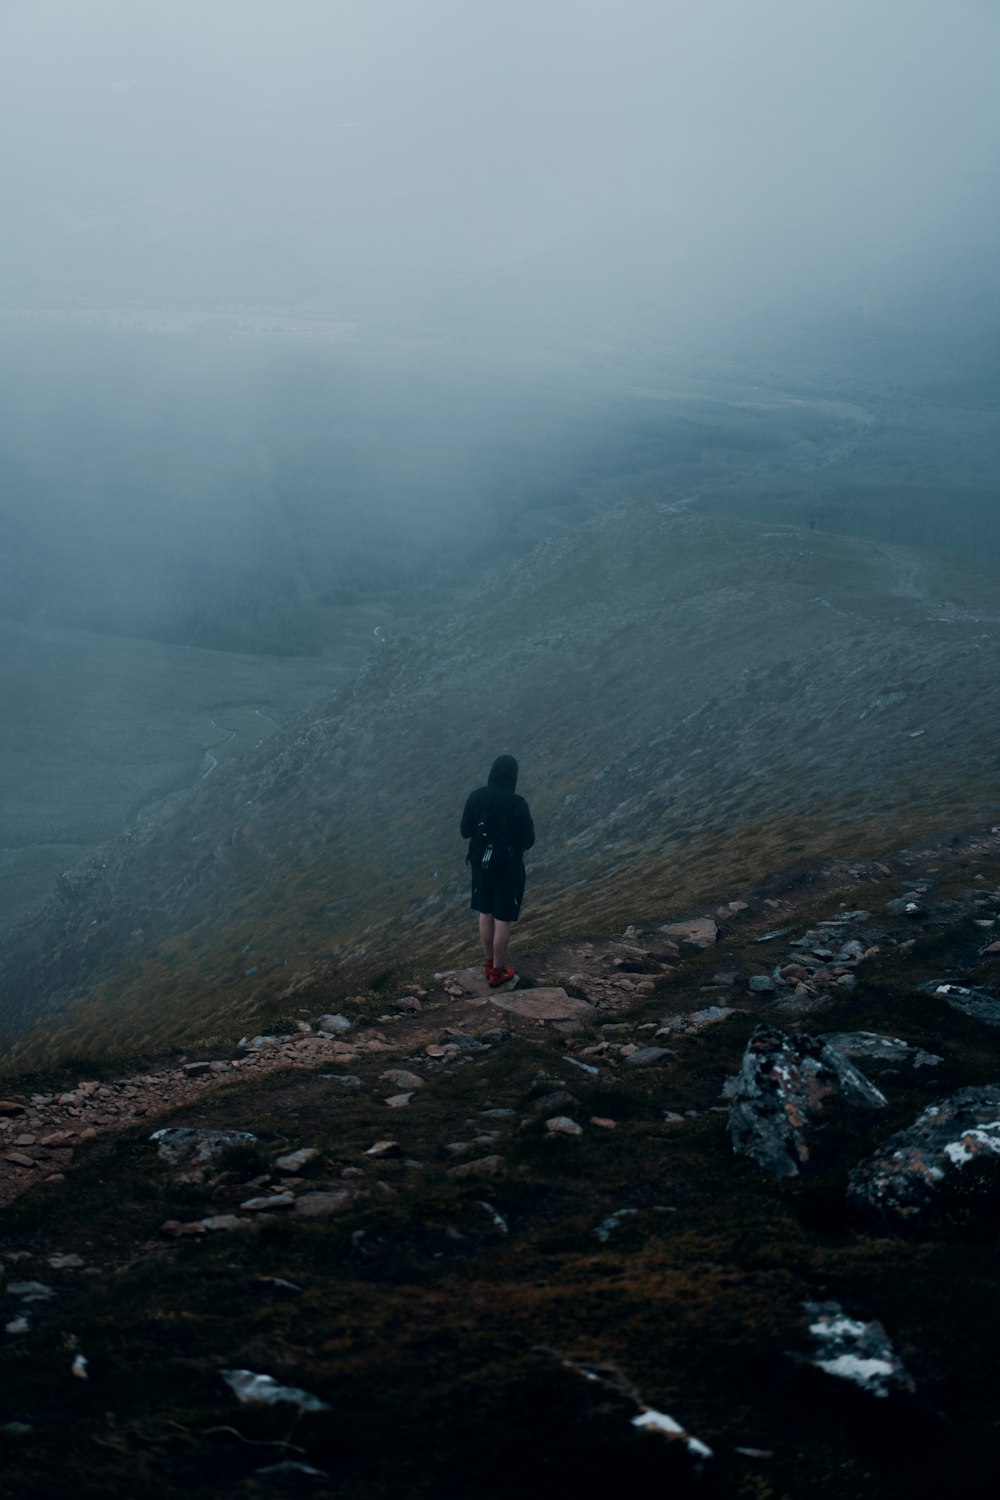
{"type": "Point", "coordinates": [486, 932]}
{"type": "Point", "coordinates": [501, 937]}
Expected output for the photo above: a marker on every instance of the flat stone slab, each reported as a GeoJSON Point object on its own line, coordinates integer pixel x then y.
{"type": "Point", "coordinates": [700, 932]}
{"type": "Point", "coordinates": [551, 1004]}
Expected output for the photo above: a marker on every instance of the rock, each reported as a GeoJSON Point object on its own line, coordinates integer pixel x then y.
{"type": "Point", "coordinates": [19, 1159]}
{"type": "Point", "coordinates": [483, 1166]}
{"type": "Point", "coordinates": [217, 1222]}
{"type": "Point", "coordinates": [700, 933]}
{"type": "Point", "coordinates": [196, 1069]}
{"type": "Point", "coordinates": [176, 1230]}
{"type": "Point", "coordinates": [645, 1057]}
{"type": "Point", "coordinates": [185, 1145]}
{"type": "Point", "coordinates": [268, 1201]}
{"type": "Point", "coordinates": [329, 1201]}
{"type": "Point", "coordinates": [296, 1160]}
{"type": "Point", "coordinates": [66, 1262]}
{"type": "Point", "coordinates": [401, 1078]}
{"type": "Point", "coordinates": [783, 1084]}
{"type": "Point", "coordinates": [563, 1125]}
{"type": "Point", "coordinates": [906, 1182]}
{"type": "Point", "coordinates": [906, 906]}
{"type": "Point", "coordinates": [546, 1102]}
{"type": "Point", "coordinates": [30, 1291]}
{"type": "Point", "coordinates": [879, 1051]}
{"type": "Point", "coordinates": [344, 1080]}
{"type": "Point", "coordinates": [334, 1025]}
{"type": "Point", "coordinates": [398, 1101]}
{"type": "Point", "coordinates": [247, 1386]}
{"type": "Point", "coordinates": [57, 1138]}
{"type": "Point", "coordinates": [854, 1350]}
{"type": "Point", "coordinates": [603, 1123]}
{"type": "Point", "coordinates": [551, 1004]}
{"type": "Point", "coordinates": [761, 984]}
{"type": "Point", "coordinates": [384, 1148]}
{"type": "Point", "coordinates": [979, 1004]}
{"type": "Point", "coordinates": [407, 1004]}
{"type": "Point", "coordinates": [10, 1107]}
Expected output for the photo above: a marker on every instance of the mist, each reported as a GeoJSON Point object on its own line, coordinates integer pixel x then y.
{"type": "Point", "coordinates": [573, 164]}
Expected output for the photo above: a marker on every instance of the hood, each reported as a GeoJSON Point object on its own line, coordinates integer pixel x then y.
{"type": "Point", "coordinates": [503, 772]}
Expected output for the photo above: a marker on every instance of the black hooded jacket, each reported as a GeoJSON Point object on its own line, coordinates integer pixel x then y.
{"type": "Point", "coordinates": [500, 807]}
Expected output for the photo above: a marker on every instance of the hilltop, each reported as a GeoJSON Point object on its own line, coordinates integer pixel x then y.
{"type": "Point", "coordinates": [695, 701]}
{"type": "Point", "coordinates": [502, 1244]}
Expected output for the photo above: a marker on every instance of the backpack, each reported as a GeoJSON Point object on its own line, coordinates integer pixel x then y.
{"type": "Point", "coordinates": [489, 848]}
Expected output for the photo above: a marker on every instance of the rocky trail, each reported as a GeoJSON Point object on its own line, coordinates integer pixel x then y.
{"type": "Point", "coordinates": [762, 1133]}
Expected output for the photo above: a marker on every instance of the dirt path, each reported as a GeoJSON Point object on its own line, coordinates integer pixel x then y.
{"type": "Point", "coordinates": [40, 1132]}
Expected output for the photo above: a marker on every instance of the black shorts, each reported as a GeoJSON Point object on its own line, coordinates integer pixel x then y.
{"type": "Point", "coordinates": [498, 895]}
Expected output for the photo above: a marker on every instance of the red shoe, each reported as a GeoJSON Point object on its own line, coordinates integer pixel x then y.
{"type": "Point", "coordinates": [487, 970]}
{"type": "Point", "coordinates": [499, 976]}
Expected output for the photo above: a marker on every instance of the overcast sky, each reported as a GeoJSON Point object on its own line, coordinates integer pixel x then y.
{"type": "Point", "coordinates": [389, 157]}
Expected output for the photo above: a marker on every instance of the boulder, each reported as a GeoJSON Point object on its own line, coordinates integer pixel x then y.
{"type": "Point", "coordinates": [912, 1179]}
{"type": "Point", "coordinates": [784, 1082]}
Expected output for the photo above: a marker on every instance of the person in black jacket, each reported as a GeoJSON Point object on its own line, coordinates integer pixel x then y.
{"type": "Point", "coordinates": [497, 823]}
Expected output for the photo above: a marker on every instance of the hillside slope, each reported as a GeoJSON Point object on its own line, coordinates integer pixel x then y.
{"type": "Point", "coordinates": [694, 700]}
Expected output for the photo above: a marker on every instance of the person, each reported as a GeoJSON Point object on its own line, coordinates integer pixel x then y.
{"type": "Point", "coordinates": [497, 823]}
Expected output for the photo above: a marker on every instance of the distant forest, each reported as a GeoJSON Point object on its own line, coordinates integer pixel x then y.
{"type": "Point", "coordinates": [211, 492]}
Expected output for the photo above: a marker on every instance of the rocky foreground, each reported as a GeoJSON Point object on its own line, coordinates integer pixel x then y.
{"type": "Point", "coordinates": [710, 1207]}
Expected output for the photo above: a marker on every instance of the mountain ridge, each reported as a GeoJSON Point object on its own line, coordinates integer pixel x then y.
{"type": "Point", "coordinates": [693, 699]}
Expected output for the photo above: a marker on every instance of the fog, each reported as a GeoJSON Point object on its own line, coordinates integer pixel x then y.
{"type": "Point", "coordinates": [575, 161]}
{"type": "Point", "coordinates": [313, 315]}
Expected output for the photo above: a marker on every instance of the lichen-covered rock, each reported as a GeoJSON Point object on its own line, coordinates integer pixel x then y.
{"type": "Point", "coordinates": [785, 1080]}
{"type": "Point", "coordinates": [855, 1350]}
{"type": "Point", "coordinates": [877, 1051]}
{"type": "Point", "coordinates": [905, 1182]}
{"type": "Point", "coordinates": [979, 1004]}
{"type": "Point", "coordinates": [183, 1145]}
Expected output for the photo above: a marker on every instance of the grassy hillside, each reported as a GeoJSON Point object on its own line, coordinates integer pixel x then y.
{"type": "Point", "coordinates": [694, 701]}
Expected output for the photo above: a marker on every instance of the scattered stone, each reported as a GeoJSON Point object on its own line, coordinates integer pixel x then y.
{"type": "Point", "coordinates": [851, 1349]}
{"type": "Point", "coordinates": [268, 1201]}
{"type": "Point", "coordinates": [344, 1080]}
{"type": "Point", "coordinates": [607, 1226]}
{"type": "Point", "coordinates": [398, 1101]}
{"type": "Point", "coordinates": [176, 1230]}
{"type": "Point", "coordinates": [900, 1185]}
{"type": "Point", "coordinates": [248, 1387]}
{"type": "Point", "coordinates": [384, 1148]}
{"type": "Point", "coordinates": [563, 1125]}
{"type": "Point", "coordinates": [783, 1084]}
{"type": "Point", "coordinates": [196, 1069]}
{"type": "Point", "coordinates": [483, 1166]}
{"type": "Point", "coordinates": [603, 1122]}
{"type": "Point", "coordinates": [19, 1159]}
{"type": "Point", "coordinates": [761, 984]}
{"type": "Point", "coordinates": [10, 1107]}
{"type": "Point", "coordinates": [408, 1004]}
{"type": "Point", "coordinates": [30, 1291]}
{"type": "Point", "coordinates": [217, 1222]}
{"type": "Point", "coordinates": [296, 1160]}
{"type": "Point", "coordinates": [878, 1050]}
{"type": "Point", "coordinates": [328, 1201]}
{"type": "Point", "coordinates": [401, 1078]}
{"type": "Point", "coordinates": [18, 1325]}
{"type": "Point", "coordinates": [186, 1145]}
{"type": "Point", "coordinates": [66, 1262]}
{"type": "Point", "coordinates": [575, 1062]}
{"type": "Point", "coordinates": [552, 1004]}
{"type": "Point", "coordinates": [979, 1004]}
{"type": "Point", "coordinates": [333, 1024]}
{"type": "Point", "coordinates": [700, 933]}
{"type": "Point", "coordinates": [646, 1057]}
